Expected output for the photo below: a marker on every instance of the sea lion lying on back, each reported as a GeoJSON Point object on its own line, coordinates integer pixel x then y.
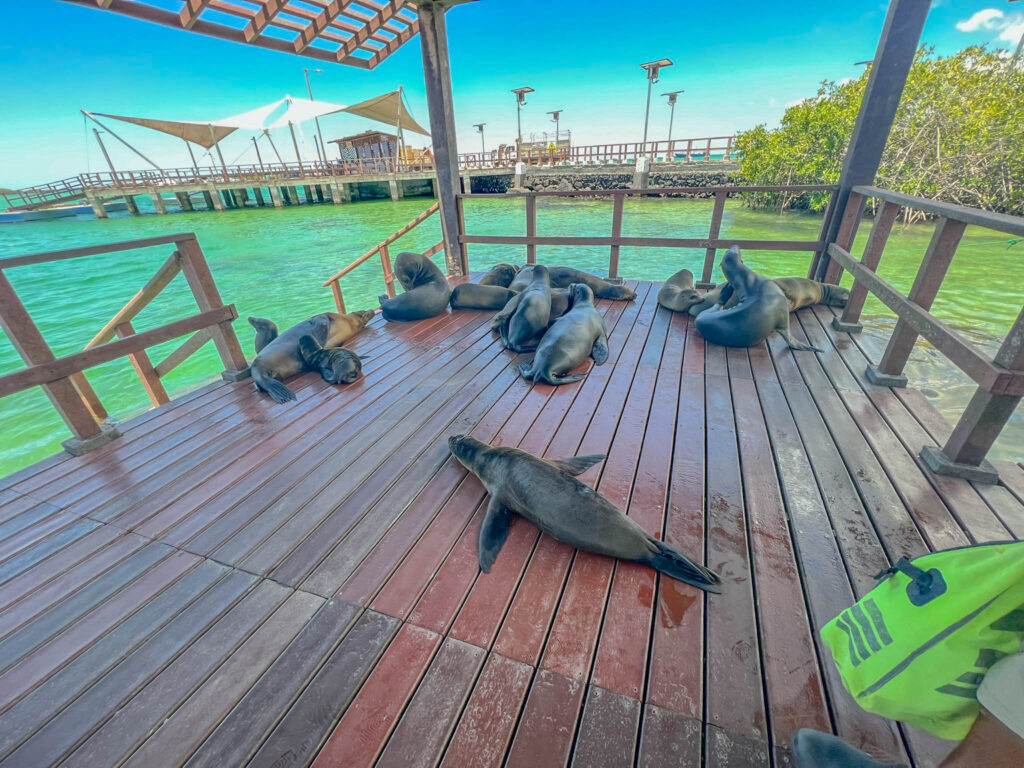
{"type": "Point", "coordinates": [761, 310]}
{"type": "Point", "coordinates": [563, 277]}
{"type": "Point", "coordinates": [546, 493]}
{"type": "Point", "coordinates": [576, 335]}
{"type": "Point", "coordinates": [310, 345]}
{"type": "Point", "coordinates": [678, 293]}
{"type": "Point", "coordinates": [426, 290]}
{"type": "Point", "coordinates": [500, 274]}
{"type": "Point", "coordinates": [799, 292]}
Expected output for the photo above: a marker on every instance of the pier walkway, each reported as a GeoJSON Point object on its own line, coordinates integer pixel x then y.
{"type": "Point", "coordinates": [235, 582]}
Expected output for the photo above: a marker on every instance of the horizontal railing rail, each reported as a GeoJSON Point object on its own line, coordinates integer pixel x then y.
{"type": "Point", "coordinates": [62, 378]}
{"type": "Point", "coordinates": [385, 259]}
{"type": "Point", "coordinates": [1000, 377]}
{"type": "Point", "coordinates": [686, 150]}
{"type": "Point", "coordinates": [616, 240]}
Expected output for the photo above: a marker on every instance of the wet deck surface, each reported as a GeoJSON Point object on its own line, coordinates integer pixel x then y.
{"type": "Point", "coordinates": [235, 582]}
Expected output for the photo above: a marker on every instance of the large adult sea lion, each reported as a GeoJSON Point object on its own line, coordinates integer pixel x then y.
{"type": "Point", "coordinates": [577, 334]}
{"type": "Point", "coordinates": [477, 296]}
{"type": "Point", "coordinates": [799, 291]}
{"type": "Point", "coordinates": [546, 493]}
{"type": "Point", "coordinates": [532, 313]}
{"type": "Point", "coordinates": [279, 356]}
{"type": "Point", "coordinates": [762, 308]}
{"type": "Point", "coordinates": [500, 274]}
{"type": "Point", "coordinates": [678, 293]}
{"type": "Point", "coordinates": [563, 277]}
{"type": "Point", "coordinates": [561, 302]}
{"type": "Point", "coordinates": [426, 290]}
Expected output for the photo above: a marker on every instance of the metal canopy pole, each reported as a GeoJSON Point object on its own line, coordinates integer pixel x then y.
{"type": "Point", "coordinates": [106, 157]}
{"type": "Point", "coordinates": [295, 143]}
{"type": "Point", "coordinates": [191, 154]}
{"type": "Point", "coordinates": [259, 157]}
{"type": "Point", "coordinates": [398, 125]}
{"type": "Point", "coordinates": [220, 155]}
{"type": "Point", "coordinates": [273, 146]}
{"type": "Point", "coordinates": [893, 58]}
{"type": "Point", "coordinates": [437, 77]}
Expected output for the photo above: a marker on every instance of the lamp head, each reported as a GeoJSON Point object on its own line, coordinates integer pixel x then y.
{"type": "Point", "coordinates": [654, 67]}
{"type": "Point", "coordinates": [521, 94]}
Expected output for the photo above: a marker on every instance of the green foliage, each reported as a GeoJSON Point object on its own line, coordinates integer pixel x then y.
{"type": "Point", "coordinates": [958, 136]}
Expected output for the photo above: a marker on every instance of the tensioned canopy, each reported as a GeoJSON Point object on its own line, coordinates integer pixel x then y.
{"type": "Point", "coordinates": [387, 108]}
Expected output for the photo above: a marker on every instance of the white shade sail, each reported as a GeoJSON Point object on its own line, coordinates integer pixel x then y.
{"type": "Point", "coordinates": [387, 108]}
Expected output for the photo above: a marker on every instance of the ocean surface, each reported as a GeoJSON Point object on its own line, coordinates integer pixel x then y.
{"type": "Point", "coordinates": [271, 263]}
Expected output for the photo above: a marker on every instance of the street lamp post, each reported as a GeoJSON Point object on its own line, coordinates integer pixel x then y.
{"type": "Point", "coordinates": [483, 150]}
{"type": "Point", "coordinates": [320, 152]}
{"type": "Point", "coordinates": [653, 68]}
{"type": "Point", "coordinates": [520, 103]}
{"type": "Point", "coordinates": [555, 115]}
{"type": "Point", "coordinates": [672, 96]}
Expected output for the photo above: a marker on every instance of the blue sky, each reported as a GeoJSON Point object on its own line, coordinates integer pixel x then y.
{"type": "Point", "coordinates": [740, 63]}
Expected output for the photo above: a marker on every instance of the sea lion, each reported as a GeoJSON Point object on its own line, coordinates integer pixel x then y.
{"type": "Point", "coordinates": [478, 296]}
{"type": "Point", "coordinates": [278, 356]}
{"type": "Point", "coordinates": [532, 314]}
{"type": "Point", "coordinates": [800, 292]}
{"type": "Point", "coordinates": [563, 277]}
{"type": "Point", "coordinates": [426, 290]}
{"type": "Point", "coordinates": [577, 334]}
{"type": "Point", "coordinates": [678, 293]}
{"type": "Point", "coordinates": [336, 365]}
{"type": "Point", "coordinates": [500, 274]}
{"type": "Point", "coordinates": [546, 493]}
{"type": "Point", "coordinates": [761, 309]}
{"type": "Point", "coordinates": [561, 302]}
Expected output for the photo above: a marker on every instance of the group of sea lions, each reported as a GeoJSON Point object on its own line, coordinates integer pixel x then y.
{"type": "Point", "coordinates": [747, 307]}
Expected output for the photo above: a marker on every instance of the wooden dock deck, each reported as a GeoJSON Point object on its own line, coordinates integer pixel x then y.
{"type": "Point", "coordinates": [235, 582]}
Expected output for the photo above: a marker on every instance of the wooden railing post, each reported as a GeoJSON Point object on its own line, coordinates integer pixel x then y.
{"type": "Point", "coordinates": [618, 200]}
{"type": "Point", "coordinates": [463, 252]}
{"type": "Point", "coordinates": [982, 421]}
{"type": "Point", "coordinates": [852, 214]}
{"type": "Point", "coordinates": [197, 272]}
{"type": "Point", "coordinates": [531, 228]}
{"type": "Point", "coordinates": [889, 371]}
{"type": "Point", "coordinates": [713, 233]}
{"type": "Point", "coordinates": [144, 368]}
{"type": "Point", "coordinates": [389, 275]}
{"type": "Point", "coordinates": [850, 320]}
{"type": "Point", "coordinates": [689, 150]}
{"type": "Point", "coordinates": [30, 344]}
{"type": "Point", "coordinates": [339, 301]}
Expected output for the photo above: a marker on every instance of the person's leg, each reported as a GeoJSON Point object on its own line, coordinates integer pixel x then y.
{"type": "Point", "coordinates": [997, 737]}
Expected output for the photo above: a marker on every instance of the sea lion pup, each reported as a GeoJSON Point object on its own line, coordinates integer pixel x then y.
{"type": "Point", "coordinates": [563, 277]}
{"type": "Point", "coordinates": [477, 296]}
{"type": "Point", "coordinates": [336, 365]}
{"type": "Point", "coordinates": [577, 334]}
{"type": "Point", "coordinates": [500, 274]}
{"type": "Point", "coordinates": [545, 492]}
{"type": "Point", "coordinates": [678, 293]}
{"type": "Point", "coordinates": [531, 316]}
{"type": "Point", "coordinates": [762, 308]}
{"type": "Point", "coordinates": [278, 356]}
{"type": "Point", "coordinates": [712, 298]}
{"type": "Point", "coordinates": [561, 302]}
{"type": "Point", "coordinates": [802, 292]}
{"type": "Point", "coordinates": [426, 290]}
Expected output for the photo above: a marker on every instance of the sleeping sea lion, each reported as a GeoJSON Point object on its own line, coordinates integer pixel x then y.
{"type": "Point", "coordinates": [500, 274]}
{"type": "Point", "coordinates": [561, 302]}
{"type": "Point", "coordinates": [563, 277]}
{"type": "Point", "coordinates": [577, 334]}
{"type": "Point", "coordinates": [761, 309]}
{"type": "Point", "coordinates": [336, 365]}
{"type": "Point", "coordinates": [532, 314]}
{"type": "Point", "coordinates": [477, 296]}
{"type": "Point", "coordinates": [426, 290]}
{"type": "Point", "coordinates": [678, 293]}
{"type": "Point", "coordinates": [279, 356]}
{"type": "Point", "coordinates": [546, 493]}
{"type": "Point", "coordinates": [801, 292]}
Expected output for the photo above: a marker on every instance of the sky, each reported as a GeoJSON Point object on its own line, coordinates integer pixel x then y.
{"type": "Point", "coordinates": [739, 62]}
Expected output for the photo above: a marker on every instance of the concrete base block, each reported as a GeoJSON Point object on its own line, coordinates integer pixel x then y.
{"type": "Point", "coordinates": [839, 325]}
{"type": "Point", "coordinates": [241, 375]}
{"type": "Point", "coordinates": [940, 464]}
{"type": "Point", "coordinates": [875, 376]}
{"type": "Point", "coordinates": [77, 446]}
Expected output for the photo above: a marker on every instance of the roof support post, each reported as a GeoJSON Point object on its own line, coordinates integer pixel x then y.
{"type": "Point", "coordinates": [437, 77]}
{"type": "Point", "coordinates": [896, 48]}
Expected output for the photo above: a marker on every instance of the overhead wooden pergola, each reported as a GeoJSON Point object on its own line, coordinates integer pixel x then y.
{"type": "Point", "coordinates": [360, 34]}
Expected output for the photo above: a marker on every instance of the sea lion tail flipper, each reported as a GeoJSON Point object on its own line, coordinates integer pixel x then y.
{"type": "Point", "coordinates": [577, 465]}
{"type": "Point", "coordinates": [797, 345]}
{"type": "Point", "coordinates": [600, 350]}
{"type": "Point", "coordinates": [277, 391]}
{"type": "Point", "coordinates": [569, 378]}
{"type": "Point", "coordinates": [266, 332]}
{"type": "Point", "coordinates": [675, 564]}
{"type": "Point", "coordinates": [526, 370]}
{"type": "Point", "coordinates": [493, 533]}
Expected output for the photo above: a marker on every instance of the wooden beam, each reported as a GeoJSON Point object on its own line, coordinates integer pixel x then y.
{"type": "Point", "coordinates": [262, 18]}
{"type": "Point", "coordinates": [138, 302]}
{"type": "Point", "coordinates": [189, 15]}
{"type": "Point", "coordinates": [319, 25]}
{"type": "Point", "coordinates": [644, 242]}
{"type": "Point", "coordinates": [897, 46]}
{"type": "Point", "coordinates": [374, 24]}
{"type": "Point", "coordinates": [191, 345]}
{"type": "Point", "coordinates": [89, 250]}
{"type": "Point", "coordinates": [144, 368]}
{"type": "Point", "coordinates": [48, 372]}
{"type": "Point", "coordinates": [1001, 222]}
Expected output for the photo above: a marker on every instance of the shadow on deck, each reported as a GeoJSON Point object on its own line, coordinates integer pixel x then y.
{"type": "Point", "coordinates": [235, 582]}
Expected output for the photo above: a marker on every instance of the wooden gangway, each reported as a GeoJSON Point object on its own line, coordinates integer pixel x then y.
{"type": "Point", "coordinates": [235, 582]}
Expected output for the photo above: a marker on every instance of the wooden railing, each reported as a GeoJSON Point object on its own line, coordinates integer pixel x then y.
{"type": "Point", "coordinates": [616, 240]}
{"type": "Point", "coordinates": [1000, 378]}
{"type": "Point", "coordinates": [676, 150]}
{"type": "Point", "coordinates": [62, 378]}
{"type": "Point", "coordinates": [385, 259]}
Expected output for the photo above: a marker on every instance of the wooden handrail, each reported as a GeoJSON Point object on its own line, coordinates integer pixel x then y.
{"type": "Point", "coordinates": [648, 191]}
{"type": "Point", "coordinates": [91, 250]}
{"type": "Point", "coordinates": [1001, 222]}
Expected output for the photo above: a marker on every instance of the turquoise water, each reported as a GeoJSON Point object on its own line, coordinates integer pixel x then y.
{"type": "Point", "coordinates": [272, 263]}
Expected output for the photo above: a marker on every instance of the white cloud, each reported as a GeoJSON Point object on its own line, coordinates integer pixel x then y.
{"type": "Point", "coordinates": [771, 101]}
{"type": "Point", "coordinates": [1012, 33]}
{"type": "Point", "coordinates": [796, 103]}
{"type": "Point", "coordinates": [981, 20]}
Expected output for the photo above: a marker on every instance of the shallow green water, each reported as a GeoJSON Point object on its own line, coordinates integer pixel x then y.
{"type": "Point", "coordinates": [271, 263]}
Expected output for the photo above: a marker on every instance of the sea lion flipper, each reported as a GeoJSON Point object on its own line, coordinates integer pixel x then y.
{"type": "Point", "coordinates": [677, 565]}
{"type": "Point", "coordinates": [797, 345]}
{"type": "Point", "coordinates": [577, 465]}
{"type": "Point", "coordinates": [493, 533]}
{"type": "Point", "coordinates": [600, 350]}
{"type": "Point", "coordinates": [266, 332]}
{"type": "Point", "coordinates": [308, 349]}
{"type": "Point", "coordinates": [526, 371]}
